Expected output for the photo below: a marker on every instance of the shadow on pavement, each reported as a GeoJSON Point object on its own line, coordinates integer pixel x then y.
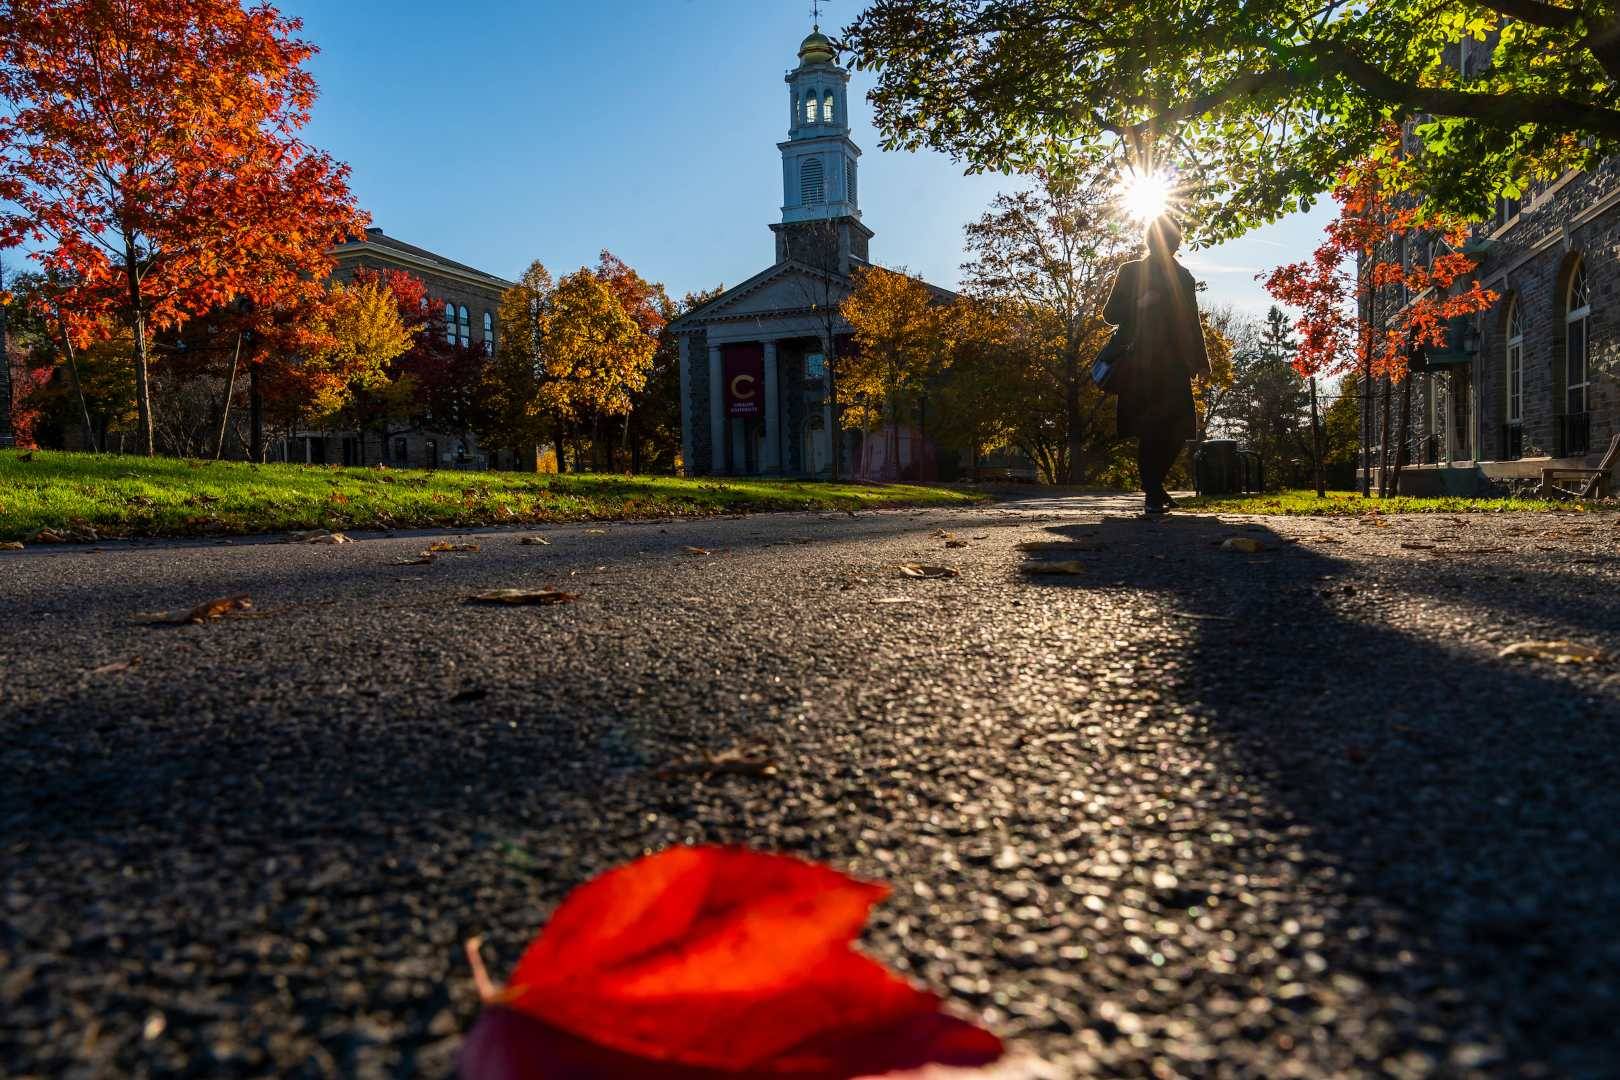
{"type": "Point", "coordinates": [1465, 805]}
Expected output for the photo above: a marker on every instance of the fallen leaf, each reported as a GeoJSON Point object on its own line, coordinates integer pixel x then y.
{"type": "Point", "coordinates": [1057, 545]}
{"type": "Point", "coordinates": [595, 532]}
{"type": "Point", "coordinates": [424, 559]}
{"type": "Point", "coordinates": [918, 570]}
{"type": "Point", "coordinates": [12, 545]}
{"type": "Point", "coordinates": [941, 534]}
{"type": "Point", "coordinates": [956, 543]}
{"type": "Point", "coordinates": [1559, 652]}
{"type": "Point", "coordinates": [698, 551]}
{"type": "Point", "coordinates": [202, 613]}
{"type": "Point", "coordinates": [523, 596]}
{"type": "Point", "coordinates": [533, 541]}
{"type": "Point", "coordinates": [445, 545]}
{"type": "Point", "coordinates": [1064, 566]}
{"type": "Point", "coordinates": [718, 959]}
{"type": "Point", "coordinates": [329, 538]}
{"type": "Point", "coordinates": [1242, 543]}
{"type": "Point", "coordinates": [115, 667]}
{"type": "Point", "coordinates": [734, 761]}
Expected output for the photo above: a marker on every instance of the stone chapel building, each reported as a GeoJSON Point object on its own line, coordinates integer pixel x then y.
{"type": "Point", "coordinates": [754, 359]}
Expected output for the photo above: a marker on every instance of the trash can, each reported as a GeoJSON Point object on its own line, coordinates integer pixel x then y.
{"type": "Point", "coordinates": [1216, 469]}
{"type": "Point", "coordinates": [1252, 471]}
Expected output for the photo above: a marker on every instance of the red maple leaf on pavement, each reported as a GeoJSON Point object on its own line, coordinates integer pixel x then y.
{"type": "Point", "coordinates": [713, 962]}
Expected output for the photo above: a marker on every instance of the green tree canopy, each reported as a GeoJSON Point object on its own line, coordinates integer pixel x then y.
{"type": "Point", "coordinates": [1258, 104]}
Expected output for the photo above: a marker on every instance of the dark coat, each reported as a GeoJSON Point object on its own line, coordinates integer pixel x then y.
{"type": "Point", "coordinates": [1154, 302]}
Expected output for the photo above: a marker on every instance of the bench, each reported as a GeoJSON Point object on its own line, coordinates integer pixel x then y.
{"type": "Point", "coordinates": [1595, 482]}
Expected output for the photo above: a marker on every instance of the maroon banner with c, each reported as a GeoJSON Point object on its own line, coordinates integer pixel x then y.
{"type": "Point", "coordinates": [744, 373]}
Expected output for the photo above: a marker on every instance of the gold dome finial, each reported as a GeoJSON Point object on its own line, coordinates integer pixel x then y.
{"type": "Point", "coordinates": [817, 48]}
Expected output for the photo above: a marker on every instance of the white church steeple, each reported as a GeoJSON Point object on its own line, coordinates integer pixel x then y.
{"type": "Point", "coordinates": [820, 163]}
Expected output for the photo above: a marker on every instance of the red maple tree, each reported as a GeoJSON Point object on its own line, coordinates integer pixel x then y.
{"type": "Point", "coordinates": [151, 148]}
{"type": "Point", "coordinates": [1364, 257]}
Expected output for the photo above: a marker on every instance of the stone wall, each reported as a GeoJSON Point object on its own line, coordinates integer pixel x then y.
{"type": "Point", "coordinates": [698, 403]}
{"type": "Point", "coordinates": [1530, 262]}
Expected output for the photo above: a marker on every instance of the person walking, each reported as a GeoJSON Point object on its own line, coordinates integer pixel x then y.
{"type": "Point", "coordinates": [1155, 307]}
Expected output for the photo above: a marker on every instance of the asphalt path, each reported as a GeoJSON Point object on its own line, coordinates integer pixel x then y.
{"type": "Point", "coordinates": [1191, 812]}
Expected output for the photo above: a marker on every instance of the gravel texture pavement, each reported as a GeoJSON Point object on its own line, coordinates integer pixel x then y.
{"type": "Point", "coordinates": [1190, 812]}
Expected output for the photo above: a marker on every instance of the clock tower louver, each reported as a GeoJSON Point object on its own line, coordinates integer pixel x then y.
{"type": "Point", "coordinates": [821, 216]}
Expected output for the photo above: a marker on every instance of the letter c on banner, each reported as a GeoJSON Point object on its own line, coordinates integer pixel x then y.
{"type": "Point", "coordinates": [738, 389]}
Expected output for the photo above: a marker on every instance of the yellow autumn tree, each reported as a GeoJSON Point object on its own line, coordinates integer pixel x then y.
{"type": "Point", "coordinates": [596, 355]}
{"type": "Point", "coordinates": [904, 336]}
{"type": "Point", "coordinates": [359, 330]}
{"type": "Point", "coordinates": [513, 415]}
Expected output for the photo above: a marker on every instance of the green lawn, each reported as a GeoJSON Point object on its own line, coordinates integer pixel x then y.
{"type": "Point", "coordinates": [1347, 503]}
{"type": "Point", "coordinates": [130, 496]}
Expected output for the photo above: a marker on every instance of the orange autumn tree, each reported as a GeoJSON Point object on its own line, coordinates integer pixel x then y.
{"type": "Point", "coordinates": [1364, 302]}
{"type": "Point", "coordinates": [150, 148]}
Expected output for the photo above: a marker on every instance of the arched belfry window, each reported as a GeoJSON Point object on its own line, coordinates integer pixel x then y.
{"type": "Point", "coordinates": [1515, 363]}
{"type": "Point", "coordinates": [810, 107]}
{"type": "Point", "coordinates": [450, 323]}
{"type": "Point", "coordinates": [1577, 343]}
{"type": "Point", "coordinates": [812, 182]}
{"type": "Point", "coordinates": [827, 108]}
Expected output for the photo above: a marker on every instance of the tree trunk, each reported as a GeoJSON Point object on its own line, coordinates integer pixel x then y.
{"type": "Point", "coordinates": [143, 391]}
{"type": "Point", "coordinates": [1383, 440]}
{"type": "Point", "coordinates": [255, 417]}
{"type": "Point", "coordinates": [78, 386]}
{"type": "Point", "coordinates": [230, 389]}
{"type": "Point", "coordinates": [834, 437]}
{"type": "Point", "coordinates": [1073, 440]}
{"type": "Point", "coordinates": [1406, 432]}
{"type": "Point", "coordinates": [1316, 444]}
{"type": "Point", "coordinates": [1366, 403]}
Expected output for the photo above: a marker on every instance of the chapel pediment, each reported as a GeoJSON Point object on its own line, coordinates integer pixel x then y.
{"type": "Point", "coordinates": [784, 289]}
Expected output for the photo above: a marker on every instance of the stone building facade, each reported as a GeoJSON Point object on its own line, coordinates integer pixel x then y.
{"type": "Point", "coordinates": [467, 300]}
{"type": "Point", "coordinates": [1535, 380]}
{"type": "Point", "coordinates": [754, 359]}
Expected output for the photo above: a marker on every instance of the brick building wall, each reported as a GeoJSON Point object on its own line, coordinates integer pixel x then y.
{"type": "Point", "coordinates": [448, 282]}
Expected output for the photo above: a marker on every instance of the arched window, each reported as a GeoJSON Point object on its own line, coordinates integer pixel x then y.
{"type": "Point", "coordinates": [450, 323]}
{"type": "Point", "coordinates": [810, 107]}
{"type": "Point", "coordinates": [464, 326]}
{"type": "Point", "coordinates": [1577, 356]}
{"type": "Point", "coordinates": [849, 182]}
{"type": "Point", "coordinates": [489, 334]}
{"type": "Point", "coordinates": [812, 184]}
{"type": "Point", "coordinates": [827, 108]}
{"type": "Point", "coordinates": [1515, 363]}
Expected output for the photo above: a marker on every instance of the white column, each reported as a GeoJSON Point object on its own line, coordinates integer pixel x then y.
{"type": "Point", "coordinates": [686, 404]}
{"type": "Point", "coordinates": [772, 458]}
{"type": "Point", "coordinates": [717, 413]}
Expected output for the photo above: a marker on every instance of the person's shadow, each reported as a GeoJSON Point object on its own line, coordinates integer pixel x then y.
{"type": "Point", "coordinates": [1459, 810]}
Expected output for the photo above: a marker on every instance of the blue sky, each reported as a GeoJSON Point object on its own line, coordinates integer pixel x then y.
{"type": "Point", "coordinates": [496, 133]}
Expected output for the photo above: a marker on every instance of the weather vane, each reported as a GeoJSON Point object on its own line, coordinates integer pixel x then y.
{"type": "Point", "coordinates": [815, 13]}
